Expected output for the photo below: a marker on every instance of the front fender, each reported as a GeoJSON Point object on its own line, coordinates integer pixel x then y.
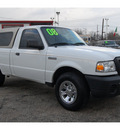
{"type": "Point", "coordinates": [50, 71]}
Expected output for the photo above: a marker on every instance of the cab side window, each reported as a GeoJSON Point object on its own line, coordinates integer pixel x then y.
{"type": "Point", "coordinates": [29, 35]}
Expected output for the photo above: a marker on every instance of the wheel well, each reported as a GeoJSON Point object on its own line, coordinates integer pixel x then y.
{"type": "Point", "coordinates": [64, 70]}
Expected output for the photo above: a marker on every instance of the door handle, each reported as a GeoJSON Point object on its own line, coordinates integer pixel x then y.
{"type": "Point", "coordinates": [17, 53]}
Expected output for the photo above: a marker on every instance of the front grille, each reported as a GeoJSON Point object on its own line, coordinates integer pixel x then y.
{"type": "Point", "coordinates": [117, 64]}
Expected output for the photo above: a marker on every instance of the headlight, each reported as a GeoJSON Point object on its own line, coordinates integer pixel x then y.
{"type": "Point", "coordinates": [106, 66]}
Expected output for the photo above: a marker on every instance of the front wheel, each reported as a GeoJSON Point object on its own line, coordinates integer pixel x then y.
{"type": "Point", "coordinates": [71, 91]}
{"type": "Point", "coordinates": [2, 79]}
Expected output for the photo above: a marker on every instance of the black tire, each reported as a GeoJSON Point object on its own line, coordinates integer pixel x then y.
{"type": "Point", "coordinates": [2, 79]}
{"type": "Point", "coordinates": [77, 99]}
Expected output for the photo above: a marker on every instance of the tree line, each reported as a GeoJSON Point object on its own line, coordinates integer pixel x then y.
{"type": "Point", "coordinates": [95, 36]}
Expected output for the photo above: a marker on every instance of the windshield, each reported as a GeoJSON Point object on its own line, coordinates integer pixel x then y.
{"type": "Point", "coordinates": [56, 36]}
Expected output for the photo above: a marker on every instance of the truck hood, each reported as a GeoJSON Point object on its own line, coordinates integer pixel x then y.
{"type": "Point", "coordinates": [85, 52]}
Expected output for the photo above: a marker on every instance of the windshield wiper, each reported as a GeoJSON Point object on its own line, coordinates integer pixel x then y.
{"type": "Point", "coordinates": [64, 44]}
{"type": "Point", "coordinates": [60, 44]}
{"type": "Point", "coordinates": [79, 44]}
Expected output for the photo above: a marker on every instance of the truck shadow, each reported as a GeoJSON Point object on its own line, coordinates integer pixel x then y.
{"type": "Point", "coordinates": [25, 88]}
{"type": "Point", "coordinates": [99, 104]}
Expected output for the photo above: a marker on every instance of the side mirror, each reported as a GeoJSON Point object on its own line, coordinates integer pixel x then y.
{"type": "Point", "coordinates": [34, 44]}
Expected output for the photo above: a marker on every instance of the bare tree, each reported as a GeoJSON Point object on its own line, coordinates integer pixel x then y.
{"type": "Point", "coordinates": [79, 31]}
{"type": "Point", "coordinates": [111, 37]}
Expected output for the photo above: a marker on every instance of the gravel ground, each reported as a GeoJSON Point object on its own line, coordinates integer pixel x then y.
{"type": "Point", "coordinates": [25, 101]}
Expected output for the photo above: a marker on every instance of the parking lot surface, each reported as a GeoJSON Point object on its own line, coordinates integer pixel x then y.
{"type": "Point", "coordinates": [26, 101]}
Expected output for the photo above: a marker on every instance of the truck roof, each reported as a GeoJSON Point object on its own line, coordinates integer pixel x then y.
{"type": "Point", "coordinates": [5, 34]}
{"type": "Point", "coordinates": [33, 26]}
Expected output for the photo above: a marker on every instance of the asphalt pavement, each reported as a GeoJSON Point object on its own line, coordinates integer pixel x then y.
{"type": "Point", "coordinates": [26, 101]}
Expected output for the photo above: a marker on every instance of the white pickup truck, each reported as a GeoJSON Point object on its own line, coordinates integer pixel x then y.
{"type": "Point", "coordinates": [58, 57]}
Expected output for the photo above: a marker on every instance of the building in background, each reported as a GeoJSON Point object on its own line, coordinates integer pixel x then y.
{"type": "Point", "coordinates": [11, 24]}
{"type": "Point", "coordinates": [86, 38]}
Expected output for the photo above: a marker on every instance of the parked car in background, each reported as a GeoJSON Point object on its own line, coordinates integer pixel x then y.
{"type": "Point", "coordinates": [108, 43]}
{"type": "Point", "coordinates": [118, 42]}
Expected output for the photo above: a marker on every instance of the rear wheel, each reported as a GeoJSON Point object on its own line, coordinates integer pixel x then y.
{"type": "Point", "coordinates": [2, 79]}
{"type": "Point", "coordinates": [71, 91]}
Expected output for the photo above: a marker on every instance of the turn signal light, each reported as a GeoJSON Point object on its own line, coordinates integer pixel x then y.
{"type": "Point", "coordinates": [100, 67]}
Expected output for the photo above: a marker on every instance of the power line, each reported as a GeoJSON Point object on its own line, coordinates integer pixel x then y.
{"type": "Point", "coordinates": [5, 18]}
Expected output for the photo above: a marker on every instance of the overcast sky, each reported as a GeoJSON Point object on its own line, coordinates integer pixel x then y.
{"type": "Point", "coordinates": [81, 18]}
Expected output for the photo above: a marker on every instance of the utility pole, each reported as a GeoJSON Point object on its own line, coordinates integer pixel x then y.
{"type": "Point", "coordinates": [97, 32]}
{"type": "Point", "coordinates": [107, 28]}
{"type": "Point", "coordinates": [58, 13]}
{"type": "Point", "coordinates": [102, 28]}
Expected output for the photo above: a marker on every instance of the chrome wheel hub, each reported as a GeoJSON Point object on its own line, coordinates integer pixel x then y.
{"type": "Point", "coordinates": [68, 92]}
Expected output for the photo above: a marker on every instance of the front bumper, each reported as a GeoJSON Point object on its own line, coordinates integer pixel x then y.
{"type": "Point", "coordinates": [104, 86]}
